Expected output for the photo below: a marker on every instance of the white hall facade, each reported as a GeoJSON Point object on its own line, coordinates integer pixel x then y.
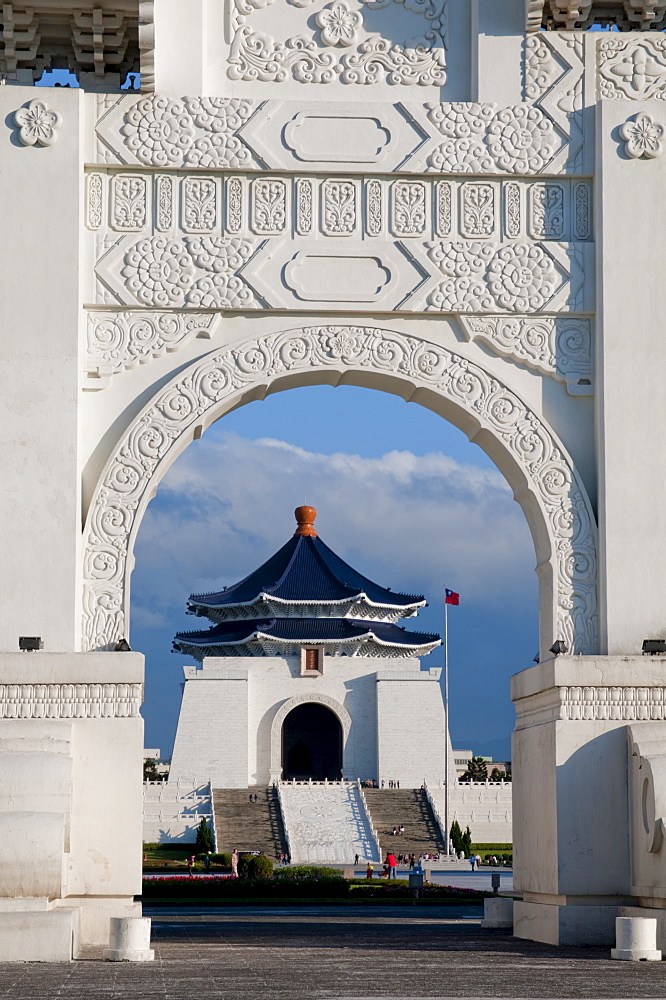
{"type": "Point", "coordinates": [434, 198]}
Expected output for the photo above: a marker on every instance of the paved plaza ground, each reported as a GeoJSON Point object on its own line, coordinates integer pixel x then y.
{"type": "Point", "coordinates": [328, 952]}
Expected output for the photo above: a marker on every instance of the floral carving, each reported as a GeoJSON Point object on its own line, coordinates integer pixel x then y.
{"type": "Point", "coordinates": [339, 207]}
{"type": "Point", "coordinates": [196, 271]}
{"type": "Point", "coordinates": [339, 24]}
{"type": "Point", "coordinates": [70, 701]}
{"type": "Point", "coordinates": [521, 139]}
{"type": "Point", "coordinates": [480, 277]}
{"type": "Point", "coordinates": [547, 220]}
{"type": "Point", "coordinates": [409, 208]}
{"type": "Point", "coordinates": [481, 139]}
{"type": "Point", "coordinates": [444, 217]}
{"type": "Point", "coordinates": [199, 204]}
{"type": "Point", "coordinates": [642, 137]}
{"type": "Point", "coordinates": [304, 207]}
{"type": "Point", "coordinates": [269, 206]}
{"type": "Point", "coordinates": [373, 209]}
{"type": "Point", "coordinates": [129, 202]}
{"type": "Point", "coordinates": [95, 189]}
{"type": "Point", "coordinates": [632, 69]}
{"type": "Point", "coordinates": [478, 210]}
{"type": "Point", "coordinates": [420, 60]}
{"type": "Point", "coordinates": [557, 496]}
{"type": "Point", "coordinates": [234, 204]}
{"type": "Point", "coordinates": [512, 209]}
{"type": "Point", "coordinates": [37, 124]}
{"type": "Point", "coordinates": [164, 202]}
{"type": "Point", "coordinates": [522, 277]}
{"type": "Point", "coordinates": [555, 346]}
{"type": "Point", "coordinates": [582, 221]}
{"type": "Point", "coordinates": [195, 132]}
{"type": "Point", "coordinates": [159, 272]}
{"type": "Point", "coordinates": [118, 341]}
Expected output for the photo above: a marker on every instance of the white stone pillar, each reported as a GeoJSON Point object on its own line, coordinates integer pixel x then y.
{"type": "Point", "coordinates": [631, 390]}
{"type": "Point", "coordinates": [570, 787]}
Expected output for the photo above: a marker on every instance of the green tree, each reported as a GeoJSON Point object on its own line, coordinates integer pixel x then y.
{"type": "Point", "coordinates": [456, 836]}
{"type": "Point", "coordinates": [150, 770]}
{"type": "Point", "coordinates": [497, 775]}
{"type": "Point", "coordinates": [477, 770]}
{"type": "Point", "coordinates": [205, 841]}
{"type": "Point", "coordinates": [467, 842]}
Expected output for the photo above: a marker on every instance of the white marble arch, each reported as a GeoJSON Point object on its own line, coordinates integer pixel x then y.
{"type": "Point", "coordinates": [522, 445]}
{"type": "Point", "coordinates": [301, 699]}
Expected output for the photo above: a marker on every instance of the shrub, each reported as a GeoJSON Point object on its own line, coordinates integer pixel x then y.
{"type": "Point", "coordinates": [205, 841]}
{"type": "Point", "coordinates": [216, 859]}
{"type": "Point", "coordinates": [307, 873]}
{"type": "Point", "coordinates": [244, 865]}
{"type": "Point", "coordinates": [260, 867]}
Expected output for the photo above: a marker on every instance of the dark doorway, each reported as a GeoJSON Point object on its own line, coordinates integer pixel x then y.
{"type": "Point", "coordinates": [311, 744]}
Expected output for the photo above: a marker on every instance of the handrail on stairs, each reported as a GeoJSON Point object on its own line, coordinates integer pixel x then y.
{"type": "Point", "coordinates": [375, 835]}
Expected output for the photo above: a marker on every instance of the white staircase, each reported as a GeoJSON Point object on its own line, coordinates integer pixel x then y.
{"type": "Point", "coordinates": [327, 823]}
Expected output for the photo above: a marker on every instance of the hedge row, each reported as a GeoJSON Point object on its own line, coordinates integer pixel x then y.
{"type": "Point", "coordinates": [223, 887]}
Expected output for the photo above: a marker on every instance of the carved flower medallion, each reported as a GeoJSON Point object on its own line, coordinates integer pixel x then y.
{"type": "Point", "coordinates": [522, 277]}
{"type": "Point", "coordinates": [37, 124]}
{"type": "Point", "coordinates": [158, 131]}
{"type": "Point", "coordinates": [339, 24]}
{"type": "Point", "coordinates": [642, 136]}
{"type": "Point", "coordinates": [159, 272]}
{"type": "Point", "coordinates": [521, 139]}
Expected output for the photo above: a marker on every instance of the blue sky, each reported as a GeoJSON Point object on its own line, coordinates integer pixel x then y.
{"type": "Point", "coordinates": [401, 494]}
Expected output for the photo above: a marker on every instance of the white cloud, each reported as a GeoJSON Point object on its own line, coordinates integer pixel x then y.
{"type": "Point", "coordinates": [414, 523]}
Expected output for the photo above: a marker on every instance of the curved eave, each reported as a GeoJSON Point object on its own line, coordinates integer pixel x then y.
{"type": "Point", "coordinates": [266, 595]}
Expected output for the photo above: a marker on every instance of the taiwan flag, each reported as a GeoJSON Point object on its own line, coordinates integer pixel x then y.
{"type": "Point", "coordinates": [451, 597]}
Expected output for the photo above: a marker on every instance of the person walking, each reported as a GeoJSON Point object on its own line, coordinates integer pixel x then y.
{"type": "Point", "coordinates": [234, 862]}
{"type": "Point", "coordinates": [369, 871]}
{"type": "Point", "coordinates": [392, 865]}
{"type": "Point", "coordinates": [356, 859]}
{"type": "Point", "coordinates": [207, 862]}
{"type": "Point", "coordinates": [472, 861]}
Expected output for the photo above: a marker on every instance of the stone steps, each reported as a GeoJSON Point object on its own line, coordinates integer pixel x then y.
{"type": "Point", "coordinates": [249, 826]}
{"type": "Point", "coordinates": [408, 807]}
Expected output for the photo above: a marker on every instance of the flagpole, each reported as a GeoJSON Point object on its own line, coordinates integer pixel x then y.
{"type": "Point", "coordinates": [447, 737]}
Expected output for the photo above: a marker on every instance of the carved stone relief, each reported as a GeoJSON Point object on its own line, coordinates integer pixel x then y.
{"type": "Point", "coordinates": [180, 406]}
{"type": "Point", "coordinates": [128, 202]}
{"type": "Point", "coordinates": [556, 346]}
{"type": "Point", "coordinates": [118, 341]}
{"type": "Point", "coordinates": [631, 69]}
{"type": "Point", "coordinates": [556, 210]}
{"type": "Point", "coordinates": [70, 701]}
{"type": "Point", "coordinates": [554, 75]}
{"type": "Point", "coordinates": [642, 137]}
{"type": "Point", "coordinates": [342, 42]}
{"type": "Point", "coordinates": [37, 124]}
{"type": "Point", "coordinates": [232, 134]}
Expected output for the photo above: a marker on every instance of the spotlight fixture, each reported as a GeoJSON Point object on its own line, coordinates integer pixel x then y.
{"type": "Point", "coordinates": [122, 646]}
{"type": "Point", "coordinates": [29, 643]}
{"type": "Point", "coordinates": [653, 647]}
{"type": "Point", "coordinates": [537, 659]}
{"type": "Point", "coordinates": [558, 647]}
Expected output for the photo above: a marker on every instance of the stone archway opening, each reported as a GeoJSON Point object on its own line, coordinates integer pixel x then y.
{"type": "Point", "coordinates": [311, 744]}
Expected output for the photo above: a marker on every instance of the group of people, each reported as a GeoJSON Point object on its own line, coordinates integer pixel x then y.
{"type": "Point", "coordinates": [392, 783]}
{"type": "Point", "coordinates": [285, 859]}
{"type": "Point", "coordinates": [397, 830]}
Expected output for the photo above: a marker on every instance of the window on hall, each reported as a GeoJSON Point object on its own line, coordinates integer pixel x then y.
{"type": "Point", "coordinates": [311, 660]}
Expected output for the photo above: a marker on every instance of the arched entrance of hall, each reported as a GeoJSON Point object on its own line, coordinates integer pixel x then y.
{"type": "Point", "coordinates": [311, 744]}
